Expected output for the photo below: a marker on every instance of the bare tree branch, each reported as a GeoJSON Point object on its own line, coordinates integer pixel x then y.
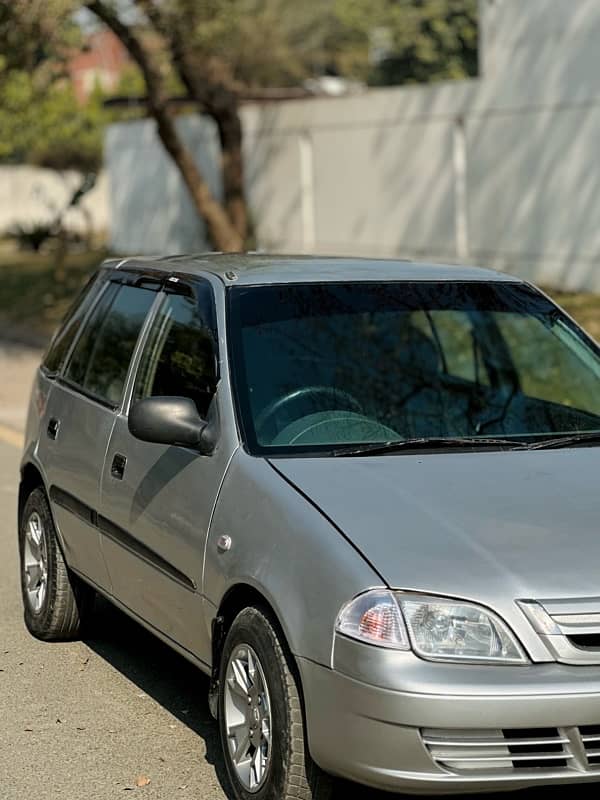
{"type": "Point", "coordinates": [275, 95]}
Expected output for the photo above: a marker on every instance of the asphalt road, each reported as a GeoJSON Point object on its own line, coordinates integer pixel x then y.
{"type": "Point", "coordinates": [91, 719]}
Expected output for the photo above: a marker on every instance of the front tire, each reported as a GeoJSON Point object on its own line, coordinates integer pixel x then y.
{"type": "Point", "coordinates": [56, 603]}
{"type": "Point", "coordinates": [260, 716]}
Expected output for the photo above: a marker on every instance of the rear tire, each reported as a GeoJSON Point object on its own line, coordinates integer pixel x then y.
{"type": "Point", "coordinates": [256, 654]}
{"type": "Point", "coordinates": [56, 603]}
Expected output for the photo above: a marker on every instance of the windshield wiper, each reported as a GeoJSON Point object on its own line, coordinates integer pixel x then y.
{"type": "Point", "coordinates": [566, 441]}
{"type": "Point", "coordinates": [430, 443]}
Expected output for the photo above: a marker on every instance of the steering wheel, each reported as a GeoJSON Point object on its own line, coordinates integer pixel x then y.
{"type": "Point", "coordinates": [326, 396]}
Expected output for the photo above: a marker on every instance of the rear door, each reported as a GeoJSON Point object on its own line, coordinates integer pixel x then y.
{"type": "Point", "coordinates": [157, 500]}
{"type": "Point", "coordinates": [80, 415]}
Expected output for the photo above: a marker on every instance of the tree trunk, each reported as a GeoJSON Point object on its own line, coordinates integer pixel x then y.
{"type": "Point", "coordinates": [232, 167]}
{"type": "Point", "coordinates": [221, 230]}
{"type": "Point", "coordinates": [219, 100]}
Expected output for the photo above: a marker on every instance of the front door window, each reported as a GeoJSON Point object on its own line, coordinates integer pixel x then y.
{"type": "Point", "coordinates": [179, 356]}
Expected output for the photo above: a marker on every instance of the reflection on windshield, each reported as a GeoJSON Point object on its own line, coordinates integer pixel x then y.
{"type": "Point", "coordinates": [319, 366]}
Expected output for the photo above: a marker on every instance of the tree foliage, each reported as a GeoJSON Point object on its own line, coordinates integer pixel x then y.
{"type": "Point", "coordinates": [421, 40]}
{"type": "Point", "coordinates": [41, 121]}
{"type": "Point", "coordinates": [34, 31]}
{"type": "Point", "coordinates": [266, 43]}
{"type": "Point", "coordinates": [45, 125]}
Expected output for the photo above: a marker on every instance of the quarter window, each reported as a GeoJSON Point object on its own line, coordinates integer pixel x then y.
{"type": "Point", "coordinates": [100, 360]}
{"type": "Point", "coordinates": [179, 359]}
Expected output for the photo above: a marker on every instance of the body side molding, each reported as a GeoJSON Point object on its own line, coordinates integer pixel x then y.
{"type": "Point", "coordinates": [120, 536]}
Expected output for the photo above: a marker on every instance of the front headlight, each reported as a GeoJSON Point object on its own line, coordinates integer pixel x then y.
{"type": "Point", "coordinates": [445, 630]}
{"type": "Point", "coordinates": [436, 628]}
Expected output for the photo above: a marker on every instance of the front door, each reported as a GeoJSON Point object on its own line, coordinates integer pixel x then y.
{"type": "Point", "coordinates": [157, 500]}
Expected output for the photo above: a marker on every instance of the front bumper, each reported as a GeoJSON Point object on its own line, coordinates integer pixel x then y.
{"type": "Point", "coordinates": [374, 734]}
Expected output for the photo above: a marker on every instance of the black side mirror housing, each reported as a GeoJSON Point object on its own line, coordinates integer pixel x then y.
{"type": "Point", "coordinates": [171, 421]}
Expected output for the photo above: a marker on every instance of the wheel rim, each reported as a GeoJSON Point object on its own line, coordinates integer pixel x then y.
{"type": "Point", "coordinates": [35, 563]}
{"type": "Point", "coordinates": [247, 717]}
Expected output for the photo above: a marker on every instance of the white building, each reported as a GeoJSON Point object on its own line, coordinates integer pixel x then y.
{"type": "Point", "coordinates": [502, 170]}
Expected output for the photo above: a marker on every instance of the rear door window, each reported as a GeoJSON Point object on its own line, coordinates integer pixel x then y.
{"type": "Point", "coordinates": [100, 360]}
{"type": "Point", "coordinates": [66, 334]}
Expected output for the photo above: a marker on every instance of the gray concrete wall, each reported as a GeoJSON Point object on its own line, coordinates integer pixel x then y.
{"type": "Point", "coordinates": [30, 195]}
{"type": "Point", "coordinates": [150, 208]}
{"type": "Point", "coordinates": [502, 170]}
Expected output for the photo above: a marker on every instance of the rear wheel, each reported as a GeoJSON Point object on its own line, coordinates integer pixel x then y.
{"type": "Point", "coordinates": [56, 602]}
{"type": "Point", "coordinates": [260, 716]}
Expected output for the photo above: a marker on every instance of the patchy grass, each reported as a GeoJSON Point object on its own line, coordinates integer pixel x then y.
{"type": "Point", "coordinates": [36, 289]}
{"type": "Point", "coordinates": [36, 292]}
{"type": "Point", "coordinates": [583, 307]}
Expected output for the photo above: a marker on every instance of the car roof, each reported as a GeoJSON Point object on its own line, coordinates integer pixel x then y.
{"type": "Point", "coordinates": [258, 269]}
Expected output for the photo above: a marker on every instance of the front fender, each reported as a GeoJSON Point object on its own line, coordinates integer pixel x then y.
{"type": "Point", "coordinates": [287, 550]}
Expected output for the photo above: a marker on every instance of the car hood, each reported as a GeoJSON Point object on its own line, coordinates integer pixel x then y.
{"type": "Point", "coordinates": [483, 526]}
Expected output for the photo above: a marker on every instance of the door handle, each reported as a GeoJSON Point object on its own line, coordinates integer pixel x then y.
{"type": "Point", "coordinates": [117, 469]}
{"type": "Point", "coordinates": [52, 429]}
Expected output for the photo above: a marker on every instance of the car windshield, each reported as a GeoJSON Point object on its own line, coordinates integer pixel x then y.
{"type": "Point", "coordinates": [322, 366]}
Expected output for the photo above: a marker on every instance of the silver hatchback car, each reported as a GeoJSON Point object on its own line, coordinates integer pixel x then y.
{"type": "Point", "coordinates": [361, 496]}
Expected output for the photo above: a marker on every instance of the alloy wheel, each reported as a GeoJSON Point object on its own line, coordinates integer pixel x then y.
{"type": "Point", "coordinates": [35, 563]}
{"type": "Point", "coordinates": [248, 720]}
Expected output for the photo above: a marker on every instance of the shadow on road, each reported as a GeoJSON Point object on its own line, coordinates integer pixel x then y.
{"type": "Point", "coordinates": [182, 690]}
{"type": "Point", "coordinates": [160, 673]}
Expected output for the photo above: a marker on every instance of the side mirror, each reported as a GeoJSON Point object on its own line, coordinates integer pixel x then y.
{"type": "Point", "coordinates": [171, 421]}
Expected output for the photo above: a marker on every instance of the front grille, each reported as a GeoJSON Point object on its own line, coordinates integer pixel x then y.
{"type": "Point", "coordinates": [571, 628]}
{"type": "Point", "coordinates": [590, 736]}
{"type": "Point", "coordinates": [585, 641]}
{"type": "Point", "coordinates": [498, 750]}
{"type": "Point", "coordinates": [515, 749]}
{"type": "Point", "coordinates": [536, 747]}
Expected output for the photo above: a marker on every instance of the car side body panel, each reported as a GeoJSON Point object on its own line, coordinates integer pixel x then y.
{"type": "Point", "coordinates": [36, 413]}
{"type": "Point", "coordinates": [282, 546]}
{"type": "Point", "coordinates": [154, 523]}
{"type": "Point", "coordinates": [73, 462]}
